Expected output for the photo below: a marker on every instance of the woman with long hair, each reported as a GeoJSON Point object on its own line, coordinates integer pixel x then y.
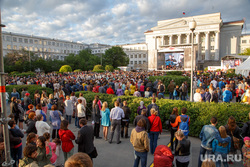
{"type": "Point", "coordinates": [172, 118]}
{"type": "Point", "coordinates": [221, 149]}
{"type": "Point", "coordinates": [66, 137]}
{"type": "Point", "coordinates": [233, 131]}
{"type": "Point", "coordinates": [105, 119]}
{"type": "Point", "coordinates": [96, 116]}
{"type": "Point", "coordinates": [31, 138]}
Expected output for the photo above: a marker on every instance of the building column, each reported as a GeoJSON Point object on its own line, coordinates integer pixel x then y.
{"type": "Point", "coordinates": [170, 39]}
{"type": "Point", "coordinates": [162, 40]}
{"type": "Point", "coordinates": [179, 39]}
{"type": "Point", "coordinates": [207, 46]}
{"type": "Point", "coordinates": [197, 41]}
{"type": "Point", "coordinates": [188, 39]}
{"type": "Point", "coordinates": [217, 45]}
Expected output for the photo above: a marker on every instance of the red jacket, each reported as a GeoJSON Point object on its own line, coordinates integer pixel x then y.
{"type": "Point", "coordinates": [66, 137]}
{"type": "Point", "coordinates": [155, 123]}
{"type": "Point", "coordinates": [110, 91]}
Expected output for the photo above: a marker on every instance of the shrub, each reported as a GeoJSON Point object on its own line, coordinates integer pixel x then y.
{"type": "Point", "coordinates": [30, 88]}
{"type": "Point", "coordinates": [109, 68]}
{"type": "Point", "coordinates": [174, 72]}
{"type": "Point", "coordinates": [23, 74]}
{"type": "Point", "coordinates": [178, 80]}
{"type": "Point", "coordinates": [65, 68]}
{"type": "Point", "coordinates": [98, 68]}
{"type": "Point", "coordinates": [78, 70]}
{"type": "Point", "coordinates": [200, 113]}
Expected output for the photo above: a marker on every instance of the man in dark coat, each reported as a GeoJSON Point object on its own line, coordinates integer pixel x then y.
{"type": "Point", "coordinates": [85, 138]}
{"type": "Point", "coordinates": [142, 116]}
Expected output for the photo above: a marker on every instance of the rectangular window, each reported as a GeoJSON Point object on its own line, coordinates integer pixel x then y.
{"type": "Point", "coordinates": [139, 55]}
{"type": "Point", "coordinates": [20, 40]}
{"type": "Point", "coordinates": [15, 47]}
{"type": "Point", "coordinates": [144, 62]}
{"type": "Point", "coordinates": [65, 45]}
{"type": "Point", "coordinates": [53, 43]}
{"type": "Point", "coordinates": [49, 43]}
{"type": "Point", "coordinates": [31, 40]}
{"type": "Point", "coordinates": [40, 42]}
{"type": "Point", "coordinates": [144, 55]}
{"type": "Point", "coordinates": [8, 38]}
{"type": "Point", "coordinates": [203, 48]}
{"type": "Point", "coordinates": [8, 46]}
{"type": "Point", "coordinates": [61, 44]}
{"type": "Point", "coordinates": [44, 42]}
{"type": "Point", "coordinates": [139, 62]}
{"type": "Point", "coordinates": [212, 39]}
{"type": "Point", "coordinates": [212, 47]}
{"type": "Point", "coordinates": [131, 56]}
{"type": "Point", "coordinates": [135, 62]}
{"type": "Point", "coordinates": [71, 46]}
{"type": "Point", "coordinates": [80, 47]}
{"type": "Point", "coordinates": [25, 40]}
{"type": "Point", "coordinates": [57, 44]}
{"type": "Point", "coordinates": [14, 39]}
{"type": "Point", "coordinates": [131, 62]}
{"type": "Point", "coordinates": [135, 56]}
{"type": "Point", "coordinates": [36, 41]}
{"type": "Point", "coordinates": [20, 47]}
{"type": "Point", "coordinates": [244, 41]}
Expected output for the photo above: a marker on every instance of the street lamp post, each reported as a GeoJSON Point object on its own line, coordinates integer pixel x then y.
{"type": "Point", "coordinates": [4, 119]}
{"type": "Point", "coordinates": [192, 26]}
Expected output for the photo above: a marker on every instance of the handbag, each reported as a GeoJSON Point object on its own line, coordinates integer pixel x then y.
{"type": "Point", "coordinates": [236, 142]}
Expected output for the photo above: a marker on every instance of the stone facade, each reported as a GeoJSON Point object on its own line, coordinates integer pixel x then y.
{"type": "Point", "coordinates": [213, 38]}
{"type": "Point", "coordinates": [244, 42]}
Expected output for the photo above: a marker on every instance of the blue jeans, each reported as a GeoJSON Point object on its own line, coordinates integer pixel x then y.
{"type": "Point", "coordinates": [68, 118]}
{"type": "Point", "coordinates": [77, 122]}
{"type": "Point", "coordinates": [16, 154]}
{"type": "Point", "coordinates": [223, 156]}
{"type": "Point", "coordinates": [140, 156]}
{"type": "Point", "coordinates": [153, 141]}
{"type": "Point", "coordinates": [202, 155]}
{"type": "Point", "coordinates": [183, 97]}
{"type": "Point", "coordinates": [171, 95]}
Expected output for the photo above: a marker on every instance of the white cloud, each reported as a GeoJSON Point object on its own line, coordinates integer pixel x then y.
{"type": "Point", "coordinates": [110, 22]}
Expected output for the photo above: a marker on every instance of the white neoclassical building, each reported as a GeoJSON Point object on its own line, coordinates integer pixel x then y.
{"type": "Point", "coordinates": [245, 42]}
{"type": "Point", "coordinates": [213, 39]}
{"type": "Point", "coordinates": [41, 46]}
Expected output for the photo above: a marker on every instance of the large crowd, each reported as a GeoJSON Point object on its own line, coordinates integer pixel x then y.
{"type": "Point", "coordinates": [46, 146]}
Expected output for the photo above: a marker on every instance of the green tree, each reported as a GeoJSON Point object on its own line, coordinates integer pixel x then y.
{"type": "Point", "coordinates": [115, 56]}
{"type": "Point", "coordinates": [246, 52]}
{"type": "Point", "coordinates": [109, 68]}
{"type": "Point", "coordinates": [65, 68]}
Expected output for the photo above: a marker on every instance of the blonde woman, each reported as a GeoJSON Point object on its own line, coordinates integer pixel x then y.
{"type": "Point", "coordinates": [44, 102]}
{"type": "Point", "coordinates": [197, 96]}
{"type": "Point", "coordinates": [105, 119]}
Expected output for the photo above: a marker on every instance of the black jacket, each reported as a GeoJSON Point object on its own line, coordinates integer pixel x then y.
{"type": "Point", "coordinates": [14, 109]}
{"type": "Point", "coordinates": [31, 126]}
{"type": "Point", "coordinates": [127, 112]}
{"type": "Point", "coordinates": [150, 106]}
{"type": "Point", "coordinates": [138, 117]}
{"type": "Point", "coordinates": [85, 139]}
{"type": "Point", "coordinates": [96, 115]}
{"type": "Point", "coordinates": [183, 148]}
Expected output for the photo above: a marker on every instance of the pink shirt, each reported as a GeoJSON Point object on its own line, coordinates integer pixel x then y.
{"type": "Point", "coordinates": [53, 149]}
{"type": "Point", "coordinates": [142, 88]}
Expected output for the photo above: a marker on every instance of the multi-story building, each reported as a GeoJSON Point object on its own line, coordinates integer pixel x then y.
{"type": "Point", "coordinates": [138, 55]}
{"type": "Point", "coordinates": [213, 39]}
{"type": "Point", "coordinates": [244, 42]}
{"type": "Point", "coordinates": [41, 46]}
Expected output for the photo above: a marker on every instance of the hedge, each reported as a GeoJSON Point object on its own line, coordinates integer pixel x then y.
{"type": "Point", "coordinates": [178, 80]}
{"type": "Point", "coordinates": [23, 74]}
{"type": "Point", "coordinates": [174, 72]}
{"type": "Point", "coordinates": [30, 88]}
{"type": "Point", "coordinates": [200, 113]}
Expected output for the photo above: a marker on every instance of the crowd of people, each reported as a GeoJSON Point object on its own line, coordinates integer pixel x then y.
{"type": "Point", "coordinates": [47, 118]}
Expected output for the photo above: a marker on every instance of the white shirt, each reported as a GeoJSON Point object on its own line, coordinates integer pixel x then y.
{"type": "Point", "coordinates": [68, 107]}
{"type": "Point", "coordinates": [42, 127]}
{"type": "Point", "coordinates": [197, 97]}
{"type": "Point", "coordinates": [80, 110]}
{"type": "Point", "coordinates": [83, 101]}
{"type": "Point", "coordinates": [117, 113]}
{"type": "Point", "coordinates": [214, 83]}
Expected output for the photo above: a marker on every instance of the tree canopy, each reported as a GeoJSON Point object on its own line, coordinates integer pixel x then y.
{"type": "Point", "coordinates": [115, 57]}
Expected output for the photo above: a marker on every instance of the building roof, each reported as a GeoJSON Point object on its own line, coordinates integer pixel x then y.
{"type": "Point", "coordinates": [234, 22]}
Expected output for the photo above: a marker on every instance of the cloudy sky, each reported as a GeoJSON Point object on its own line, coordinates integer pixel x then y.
{"type": "Point", "coordinates": [108, 21]}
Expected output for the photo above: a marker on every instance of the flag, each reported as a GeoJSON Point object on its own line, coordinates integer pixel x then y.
{"type": "Point", "coordinates": [183, 13]}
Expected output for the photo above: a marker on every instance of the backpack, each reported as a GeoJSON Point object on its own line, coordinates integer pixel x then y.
{"type": "Point", "coordinates": [175, 93]}
{"type": "Point", "coordinates": [183, 126]}
{"type": "Point", "coordinates": [44, 116]}
{"type": "Point", "coordinates": [161, 88]}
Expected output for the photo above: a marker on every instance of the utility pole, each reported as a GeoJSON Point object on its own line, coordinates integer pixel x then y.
{"type": "Point", "coordinates": [4, 119]}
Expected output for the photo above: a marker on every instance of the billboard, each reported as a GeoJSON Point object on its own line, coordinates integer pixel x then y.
{"type": "Point", "coordinates": [174, 60]}
{"type": "Point", "coordinates": [228, 64]}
